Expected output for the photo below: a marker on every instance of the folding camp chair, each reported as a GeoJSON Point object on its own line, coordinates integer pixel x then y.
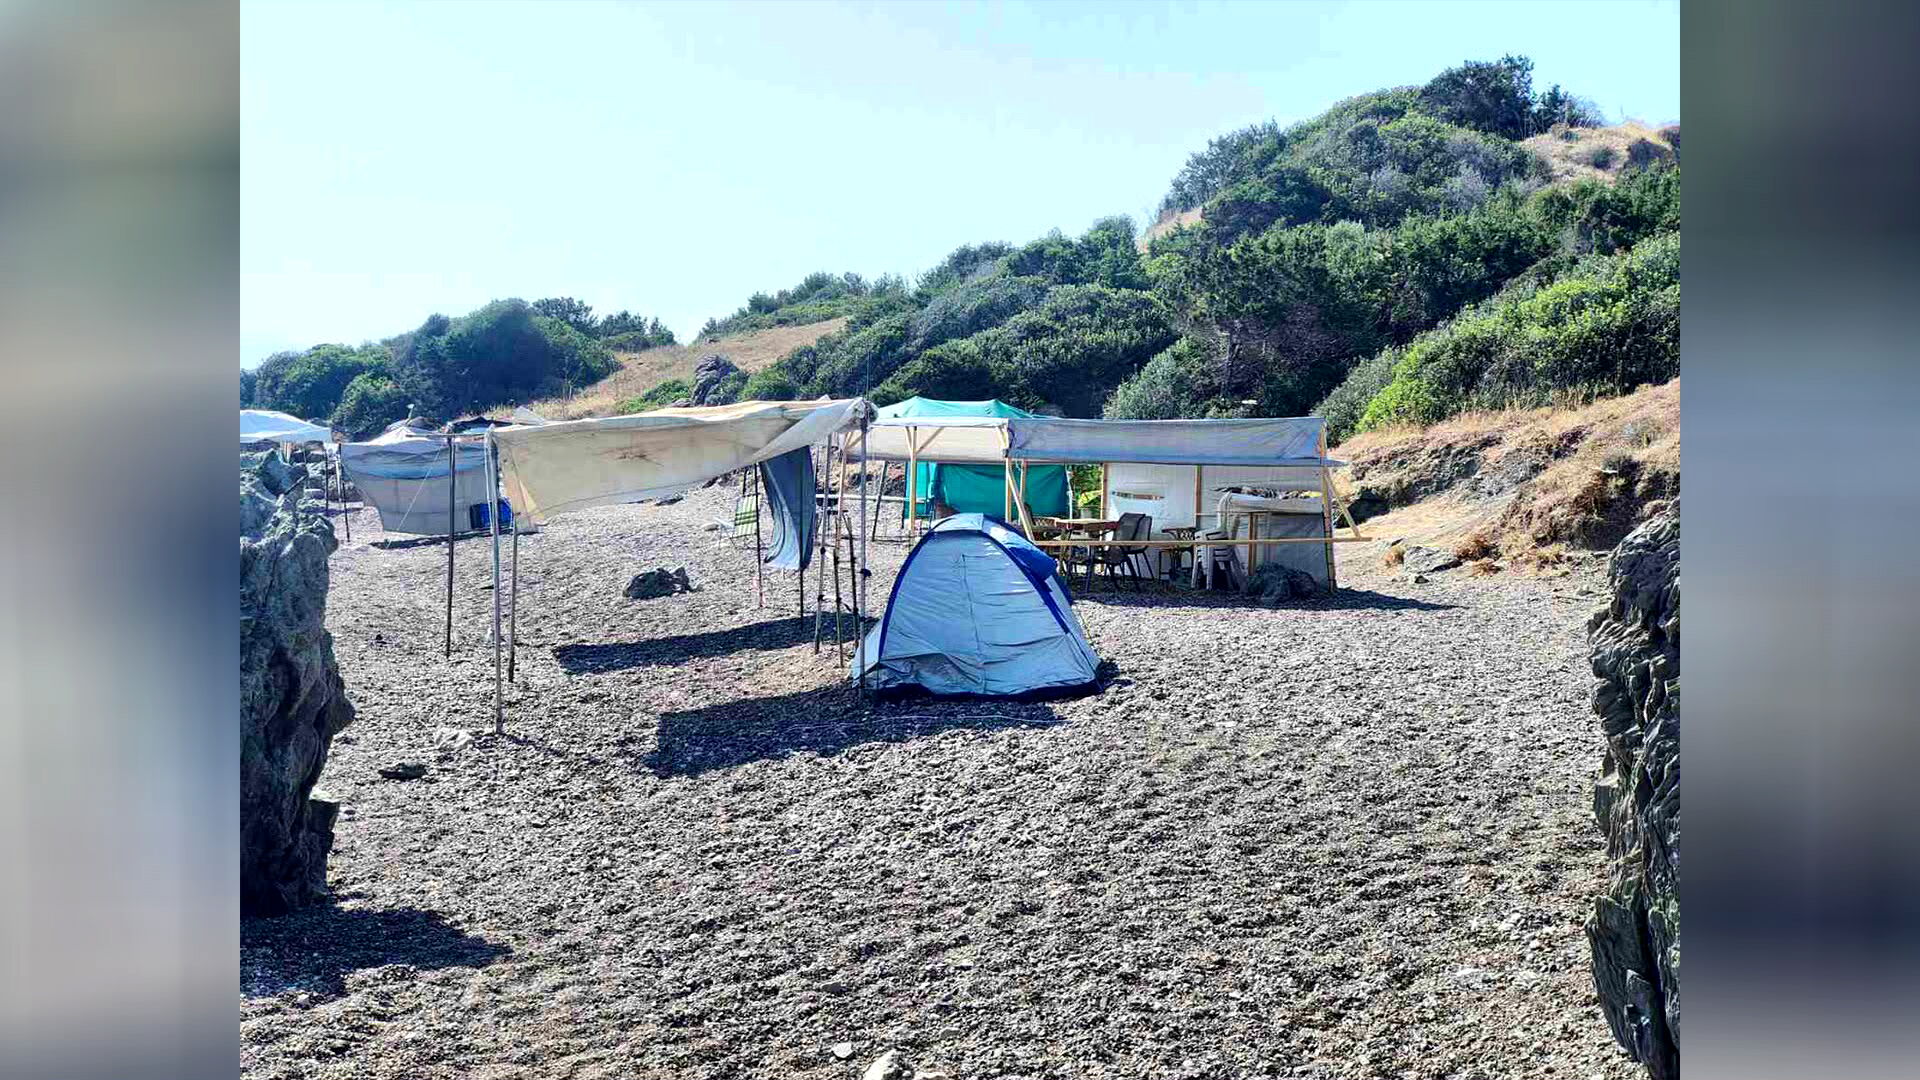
{"type": "Point", "coordinates": [746, 518]}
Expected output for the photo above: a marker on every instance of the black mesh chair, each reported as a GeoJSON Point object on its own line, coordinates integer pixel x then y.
{"type": "Point", "coordinates": [1132, 527]}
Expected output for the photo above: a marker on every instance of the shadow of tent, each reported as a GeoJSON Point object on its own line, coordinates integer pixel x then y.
{"type": "Point", "coordinates": [315, 949]}
{"type": "Point", "coordinates": [825, 720]}
{"type": "Point", "coordinates": [668, 651]}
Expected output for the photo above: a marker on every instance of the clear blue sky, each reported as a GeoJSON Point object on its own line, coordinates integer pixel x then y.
{"type": "Point", "coordinates": [403, 159]}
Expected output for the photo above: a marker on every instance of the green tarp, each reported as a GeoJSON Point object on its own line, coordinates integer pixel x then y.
{"type": "Point", "coordinates": [979, 489]}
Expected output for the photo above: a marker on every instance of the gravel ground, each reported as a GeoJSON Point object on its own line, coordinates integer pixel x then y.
{"type": "Point", "coordinates": [1346, 839]}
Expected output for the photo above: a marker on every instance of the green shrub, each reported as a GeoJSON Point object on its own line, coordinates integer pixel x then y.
{"type": "Point", "coordinates": [1176, 383]}
{"type": "Point", "coordinates": [1609, 325]}
{"type": "Point", "coordinates": [1344, 407]}
{"type": "Point", "coordinates": [663, 394]}
{"type": "Point", "coordinates": [771, 384]}
{"type": "Point", "coordinates": [309, 384]}
{"type": "Point", "coordinates": [371, 402]}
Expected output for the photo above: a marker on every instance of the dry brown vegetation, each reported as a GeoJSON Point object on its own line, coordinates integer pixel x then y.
{"type": "Point", "coordinates": [1600, 153]}
{"type": "Point", "coordinates": [1166, 224]}
{"type": "Point", "coordinates": [642, 371]}
{"type": "Point", "coordinates": [1530, 486]}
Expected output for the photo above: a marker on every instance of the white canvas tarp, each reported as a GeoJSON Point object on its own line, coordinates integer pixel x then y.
{"type": "Point", "coordinates": [1264, 441]}
{"type": "Point", "coordinates": [403, 473]}
{"type": "Point", "coordinates": [971, 440]}
{"type": "Point", "coordinates": [1166, 492]}
{"type": "Point", "coordinates": [265, 425]}
{"type": "Point", "coordinates": [574, 464]}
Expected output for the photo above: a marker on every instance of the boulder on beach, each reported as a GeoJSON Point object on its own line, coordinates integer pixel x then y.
{"type": "Point", "coordinates": [659, 582]}
{"type": "Point", "coordinates": [1634, 929]}
{"type": "Point", "coordinates": [292, 700]}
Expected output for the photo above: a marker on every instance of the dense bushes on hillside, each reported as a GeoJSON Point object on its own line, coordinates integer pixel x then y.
{"type": "Point", "coordinates": [1294, 308]}
{"type": "Point", "coordinates": [503, 352]}
{"type": "Point", "coordinates": [309, 384]}
{"type": "Point", "coordinates": [1380, 156]}
{"type": "Point", "coordinates": [620, 330]}
{"type": "Point", "coordinates": [1068, 353]}
{"type": "Point", "coordinates": [819, 296]}
{"type": "Point", "coordinates": [1056, 323]}
{"type": "Point", "coordinates": [508, 351]}
{"type": "Point", "coordinates": [371, 402]}
{"type": "Point", "coordinates": [1373, 158]}
{"type": "Point", "coordinates": [1610, 324]}
{"type": "Point", "coordinates": [1497, 97]}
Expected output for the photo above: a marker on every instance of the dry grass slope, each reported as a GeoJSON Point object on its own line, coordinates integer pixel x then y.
{"type": "Point", "coordinates": [1166, 224]}
{"type": "Point", "coordinates": [1600, 153]}
{"type": "Point", "coordinates": [1525, 485]}
{"type": "Point", "coordinates": [642, 371]}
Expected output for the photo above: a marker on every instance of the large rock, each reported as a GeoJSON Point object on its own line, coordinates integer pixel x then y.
{"type": "Point", "coordinates": [712, 370]}
{"type": "Point", "coordinates": [1635, 928]}
{"type": "Point", "coordinates": [292, 701]}
{"type": "Point", "coordinates": [1426, 560]}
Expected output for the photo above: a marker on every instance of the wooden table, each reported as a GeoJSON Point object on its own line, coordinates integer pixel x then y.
{"type": "Point", "coordinates": [1091, 530]}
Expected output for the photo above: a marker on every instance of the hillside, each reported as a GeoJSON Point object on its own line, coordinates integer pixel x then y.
{"type": "Point", "coordinates": [1603, 153]}
{"type": "Point", "coordinates": [641, 371]}
{"type": "Point", "coordinates": [1520, 488]}
{"type": "Point", "coordinates": [1468, 243]}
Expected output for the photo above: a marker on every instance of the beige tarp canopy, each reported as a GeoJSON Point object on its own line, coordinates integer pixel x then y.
{"type": "Point", "coordinates": [574, 464]}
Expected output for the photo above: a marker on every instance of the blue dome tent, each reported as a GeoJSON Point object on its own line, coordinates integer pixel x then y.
{"type": "Point", "coordinates": [976, 609]}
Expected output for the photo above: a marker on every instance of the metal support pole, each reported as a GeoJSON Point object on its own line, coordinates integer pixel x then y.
{"type": "Point", "coordinates": [493, 520]}
{"type": "Point", "coordinates": [513, 605]}
{"type": "Point", "coordinates": [450, 531]}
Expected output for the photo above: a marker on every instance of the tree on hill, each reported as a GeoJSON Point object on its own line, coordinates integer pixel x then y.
{"type": "Point", "coordinates": [574, 313]}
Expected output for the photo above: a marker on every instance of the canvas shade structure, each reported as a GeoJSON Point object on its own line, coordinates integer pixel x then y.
{"type": "Point", "coordinates": [557, 468]}
{"type": "Point", "coordinates": [570, 465]}
{"type": "Point", "coordinates": [966, 486]}
{"type": "Point", "coordinates": [405, 474]}
{"type": "Point", "coordinates": [976, 609]}
{"type": "Point", "coordinates": [1174, 468]}
{"type": "Point", "coordinates": [265, 425]}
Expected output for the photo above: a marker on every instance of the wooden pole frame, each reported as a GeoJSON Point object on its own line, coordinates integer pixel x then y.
{"type": "Point", "coordinates": [860, 581]}
{"type": "Point", "coordinates": [1326, 508]}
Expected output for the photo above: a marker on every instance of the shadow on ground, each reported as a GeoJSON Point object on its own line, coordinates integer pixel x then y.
{"type": "Point", "coordinates": [825, 720]}
{"type": "Point", "coordinates": [668, 651]}
{"type": "Point", "coordinates": [1162, 596]}
{"type": "Point", "coordinates": [315, 949]}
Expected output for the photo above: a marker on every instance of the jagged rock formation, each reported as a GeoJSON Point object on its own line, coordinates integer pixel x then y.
{"type": "Point", "coordinates": [713, 369]}
{"type": "Point", "coordinates": [1635, 928]}
{"type": "Point", "coordinates": [292, 701]}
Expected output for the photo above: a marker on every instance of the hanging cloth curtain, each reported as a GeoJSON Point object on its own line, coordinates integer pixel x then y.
{"type": "Point", "coordinates": [788, 483]}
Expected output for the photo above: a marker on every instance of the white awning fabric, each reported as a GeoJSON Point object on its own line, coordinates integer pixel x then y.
{"type": "Point", "coordinates": [550, 469]}
{"type": "Point", "coordinates": [265, 425]}
{"type": "Point", "coordinates": [978, 440]}
{"type": "Point", "coordinates": [1291, 441]}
